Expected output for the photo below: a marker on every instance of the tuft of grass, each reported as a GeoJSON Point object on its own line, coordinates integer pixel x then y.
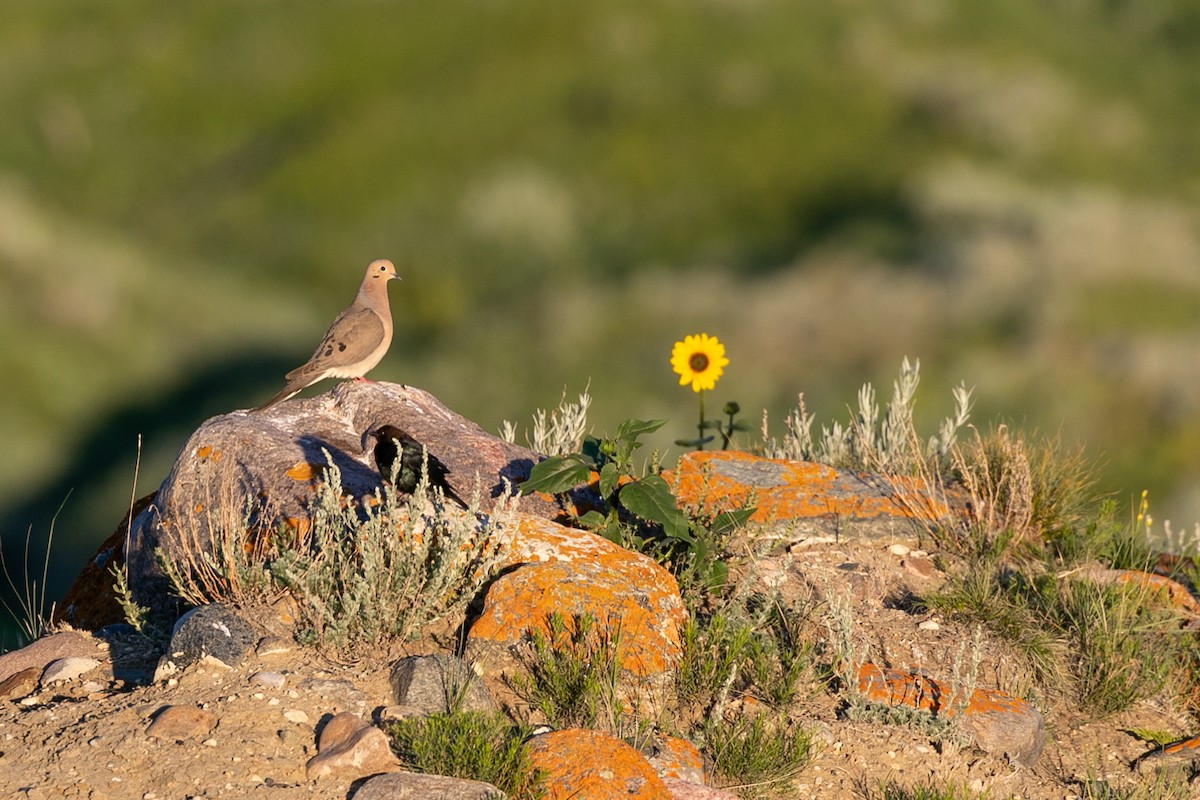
{"type": "Point", "coordinates": [894, 790]}
{"type": "Point", "coordinates": [1163, 784]}
{"type": "Point", "coordinates": [1120, 642]}
{"type": "Point", "coordinates": [472, 745]}
{"type": "Point", "coordinates": [30, 612]}
{"type": "Point", "coordinates": [759, 756]}
{"type": "Point", "coordinates": [573, 676]}
{"type": "Point", "coordinates": [363, 573]}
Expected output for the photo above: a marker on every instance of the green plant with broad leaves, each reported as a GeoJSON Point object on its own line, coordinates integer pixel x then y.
{"type": "Point", "coordinates": [638, 511]}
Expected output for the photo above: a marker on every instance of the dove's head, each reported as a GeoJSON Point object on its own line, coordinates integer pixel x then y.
{"type": "Point", "coordinates": [382, 270]}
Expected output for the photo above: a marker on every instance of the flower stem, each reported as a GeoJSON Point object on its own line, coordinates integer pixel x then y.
{"type": "Point", "coordinates": [700, 438]}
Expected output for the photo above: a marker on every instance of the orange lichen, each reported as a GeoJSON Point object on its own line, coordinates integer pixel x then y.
{"type": "Point", "coordinates": [678, 758]}
{"type": "Point", "coordinates": [208, 453]}
{"type": "Point", "coordinates": [727, 480]}
{"type": "Point", "coordinates": [895, 688]}
{"type": "Point", "coordinates": [643, 619]}
{"type": "Point", "coordinates": [1176, 594]}
{"type": "Point", "coordinates": [581, 763]}
{"type": "Point", "coordinates": [303, 471]}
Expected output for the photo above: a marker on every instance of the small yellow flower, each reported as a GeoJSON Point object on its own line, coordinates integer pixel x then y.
{"type": "Point", "coordinates": [699, 360]}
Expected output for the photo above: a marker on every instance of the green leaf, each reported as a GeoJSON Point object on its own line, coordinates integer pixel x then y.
{"type": "Point", "coordinates": [613, 531]}
{"type": "Point", "coordinates": [694, 442]}
{"type": "Point", "coordinates": [592, 520]}
{"type": "Point", "coordinates": [650, 498]}
{"type": "Point", "coordinates": [633, 428]}
{"type": "Point", "coordinates": [591, 454]}
{"type": "Point", "coordinates": [609, 476]}
{"type": "Point", "coordinates": [556, 474]}
{"type": "Point", "coordinates": [727, 522]}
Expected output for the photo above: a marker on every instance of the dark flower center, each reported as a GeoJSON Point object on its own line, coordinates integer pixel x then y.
{"type": "Point", "coordinates": [698, 362]}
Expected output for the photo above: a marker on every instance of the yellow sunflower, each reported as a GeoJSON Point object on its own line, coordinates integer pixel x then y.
{"type": "Point", "coordinates": [699, 360]}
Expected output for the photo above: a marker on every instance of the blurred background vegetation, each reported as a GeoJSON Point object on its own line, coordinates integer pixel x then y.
{"type": "Point", "coordinates": [1008, 191]}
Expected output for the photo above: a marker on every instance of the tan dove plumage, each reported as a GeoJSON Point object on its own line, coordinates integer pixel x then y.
{"type": "Point", "coordinates": [355, 342]}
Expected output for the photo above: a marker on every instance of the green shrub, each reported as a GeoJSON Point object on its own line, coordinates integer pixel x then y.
{"type": "Point", "coordinates": [473, 745]}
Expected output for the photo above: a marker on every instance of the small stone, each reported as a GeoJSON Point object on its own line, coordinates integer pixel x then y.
{"type": "Point", "coordinates": [399, 712]}
{"type": "Point", "coordinates": [930, 625]}
{"type": "Point", "coordinates": [272, 680]}
{"type": "Point", "coordinates": [176, 723]}
{"type": "Point", "coordinates": [921, 567]}
{"type": "Point", "coordinates": [295, 715]}
{"type": "Point", "coordinates": [686, 790]}
{"type": "Point", "coordinates": [92, 687]}
{"type": "Point", "coordinates": [20, 684]}
{"type": "Point", "coordinates": [351, 748]}
{"type": "Point", "coordinates": [273, 645]}
{"type": "Point", "coordinates": [213, 630]}
{"type": "Point", "coordinates": [399, 785]}
{"type": "Point", "coordinates": [438, 682]}
{"type": "Point", "coordinates": [68, 669]}
{"type": "Point", "coordinates": [899, 549]}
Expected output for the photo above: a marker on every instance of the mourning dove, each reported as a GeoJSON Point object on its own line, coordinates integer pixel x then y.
{"type": "Point", "coordinates": [355, 342]}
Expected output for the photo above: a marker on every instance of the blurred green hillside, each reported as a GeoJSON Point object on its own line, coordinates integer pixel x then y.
{"type": "Point", "coordinates": [1009, 192]}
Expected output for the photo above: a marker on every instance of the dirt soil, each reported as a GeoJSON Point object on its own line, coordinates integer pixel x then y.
{"type": "Point", "coordinates": [88, 740]}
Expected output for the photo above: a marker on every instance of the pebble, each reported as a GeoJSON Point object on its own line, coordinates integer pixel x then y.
{"type": "Point", "coordinates": [351, 748]}
{"type": "Point", "coordinates": [271, 645]}
{"type": "Point", "coordinates": [295, 715]}
{"type": "Point", "coordinates": [20, 684]}
{"type": "Point", "coordinates": [930, 625]}
{"type": "Point", "coordinates": [176, 723]}
{"type": "Point", "coordinates": [899, 550]}
{"type": "Point", "coordinates": [272, 680]}
{"type": "Point", "coordinates": [66, 669]}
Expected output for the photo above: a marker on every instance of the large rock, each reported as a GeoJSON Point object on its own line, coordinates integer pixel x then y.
{"type": "Point", "coordinates": [417, 786]}
{"type": "Point", "coordinates": [997, 723]}
{"type": "Point", "coordinates": [819, 499]}
{"type": "Point", "coordinates": [264, 467]}
{"type": "Point", "coordinates": [573, 572]}
{"type": "Point", "coordinates": [40, 653]}
{"type": "Point", "coordinates": [581, 763]}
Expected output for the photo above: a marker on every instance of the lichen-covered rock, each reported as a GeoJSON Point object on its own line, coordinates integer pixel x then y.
{"type": "Point", "coordinates": [997, 722]}
{"type": "Point", "coordinates": [571, 572]}
{"type": "Point", "coordinates": [831, 500]}
{"type": "Point", "coordinates": [1158, 588]}
{"type": "Point", "coordinates": [265, 466]}
{"type": "Point", "coordinates": [581, 763]}
{"type": "Point", "coordinates": [673, 757]}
